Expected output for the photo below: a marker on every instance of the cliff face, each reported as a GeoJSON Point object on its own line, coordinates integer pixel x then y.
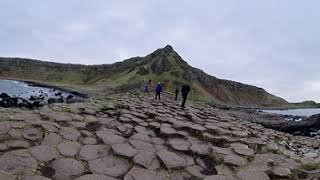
{"type": "Point", "coordinates": [164, 65]}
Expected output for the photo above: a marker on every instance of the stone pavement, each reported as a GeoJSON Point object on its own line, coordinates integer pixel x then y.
{"type": "Point", "coordinates": [131, 136]}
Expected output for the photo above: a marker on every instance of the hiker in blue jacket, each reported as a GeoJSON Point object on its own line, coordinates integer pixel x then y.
{"type": "Point", "coordinates": [158, 90]}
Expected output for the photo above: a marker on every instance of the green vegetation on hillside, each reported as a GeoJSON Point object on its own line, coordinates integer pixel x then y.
{"type": "Point", "coordinates": [164, 65]}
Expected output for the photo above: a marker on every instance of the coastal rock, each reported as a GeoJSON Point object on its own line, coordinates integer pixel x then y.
{"type": "Point", "coordinates": [69, 133]}
{"type": "Point", "coordinates": [110, 166]}
{"type": "Point", "coordinates": [95, 177]}
{"type": "Point", "coordinates": [69, 148]}
{"type": "Point", "coordinates": [125, 150]}
{"type": "Point", "coordinates": [171, 160]}
{"type": "Point", "coordinates": [18, 162]}
{"type": "Point", "coordinates": [179, 144]}
{"type": "Point", "coordinates": [142, 174]}
{"type": "Point", "coordinates": [235, 160]}
{"type": "Point", "coordinates": [147, 159]}
{"type": "Point", "coordinates": [44, 153]}
{"type": "Point", "coordinates": [66, 167]}
{"type": "Point", "coordinates": [92, 152]}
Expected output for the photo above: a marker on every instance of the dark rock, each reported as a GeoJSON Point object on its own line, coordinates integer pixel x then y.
{"type": "Point", "coordinates": [70, 96]}
{"type": "Point", "coordinates": [4, 95]}
{"type": "Point", "coordinates": [58, 94]}
{"type": "Point", "coordinates": [55, 100]}
{"type": "Point", "coordinates": [10, 102]}
{"type": "Point", "coordinates": [74, 100]}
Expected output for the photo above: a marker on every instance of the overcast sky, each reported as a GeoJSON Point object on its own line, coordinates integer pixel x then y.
{"type": "Point", "coordinates": [274, 44]}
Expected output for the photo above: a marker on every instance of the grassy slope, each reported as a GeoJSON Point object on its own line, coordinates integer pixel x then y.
{"type": "Point", "coordinates": [163, 65]}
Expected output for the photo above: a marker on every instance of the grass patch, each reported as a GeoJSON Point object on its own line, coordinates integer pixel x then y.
{"type": "Point", "coordinates": [298, 174]}
{"type": "Point", "coordinates": [310, 166]}
{"type": "Point", "coordinates": [217, 158]}
{"type": "Point", "coordinates": [301, 171]}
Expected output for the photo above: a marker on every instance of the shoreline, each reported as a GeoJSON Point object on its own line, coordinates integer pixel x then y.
{"type": "Point", "coordinates": [37, 84]}
{"type": "Point", "coordinates": [45, 85]}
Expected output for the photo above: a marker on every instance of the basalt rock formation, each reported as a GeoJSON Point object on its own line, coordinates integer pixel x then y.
{"type": "Point", "coordinates": [131, 136]}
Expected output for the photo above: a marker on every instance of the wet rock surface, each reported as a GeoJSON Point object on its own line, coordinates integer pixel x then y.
{"type": "Point", "coordinates": [133, 137]}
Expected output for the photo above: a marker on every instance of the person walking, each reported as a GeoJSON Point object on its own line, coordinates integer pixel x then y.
{"type": "Point", "coordinates": [184, 91]}
{"type": "Point", "coordinates": [146, 87]}
{"type": "Point", "coordinates": [158, 91]}
{"type": "Point", "coordinates": [177, 93]}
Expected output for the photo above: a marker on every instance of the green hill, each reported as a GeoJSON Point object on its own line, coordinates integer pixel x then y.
{"type": "Point", "coordinates": [164, 65]}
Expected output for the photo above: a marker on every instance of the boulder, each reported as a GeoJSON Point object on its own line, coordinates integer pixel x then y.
{"type": "Point", "coordinates": [55, 100]}
{"type": "Point", "coordinates": [4, 95]}
{"type": "Point", "coordinates": [10, 102]}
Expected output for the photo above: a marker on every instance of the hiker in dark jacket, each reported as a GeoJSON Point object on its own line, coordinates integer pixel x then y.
{"type": "Point", "coordinates": [184, 91]}
{"type": "Point", "coordinates": [177, 93]}
{"type": "Point", "coordinates": [146, 88]}
{"type": "Point", "coordinates": [158, 90]}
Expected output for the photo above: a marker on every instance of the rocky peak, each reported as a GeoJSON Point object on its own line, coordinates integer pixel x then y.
{"type": "Point", "coordinates": [168, 49]}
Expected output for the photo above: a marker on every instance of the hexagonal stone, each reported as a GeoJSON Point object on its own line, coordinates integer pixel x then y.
{"type": "Point", "coordinates": [15, 134]}
{"type": "Point", "coordinates": [34, 178]}
{"type": "Point", "coordinates": [69, 148]}
{"type": "Point", "coordinates": [3, 147]}
{"type": "Point", "coordinates": [52, 139]}
{"type": "Point", "coordinates": [69, 133]}
{"type": "Point", "coordinates": [4, 127]}
{"type": "Point", "coordinates": [157, 141]}
{"type": "Point", "coordinates": [91, 152]}
{"type": "Point", "coordinates": [219, 150]}
{"type": "Point", "coordinates": [32, 134]}
{"type": "Point", "coordinates": [167, 130]}
{"type": "Point", "coordinates": [195, 171]}
{"type": "Point", "coordinates": [200, 149]}
{"type": "Point", "coordinates": [221, 177]}
{"type": "Point", "coordinates": [241, 134]}
{"type": "Point", "coordinates": [137, 173]}
{"type": "Point", "coordinates": [17, 144]}
{"type": "Point", "coordinates": [235, 160]}
{"type": "Point", "coordinates": [7, 176]}
{"type": "Point", "coordinates": [125, 150]}
{"type": "Point", "coordinates": [110, 166]}
{"type": "Point", "coordinates": [50, 126]}
{"type": "Point", "coordinates": [61, 117]}
{"type": "Point", "coordinates": [252, 175]}
{"type": "Point", "coordinates": [95, 177]}
{"type": "Point", "coordinates": [141, 137]}
{"type": "Point", "coordinates": [18, 125]}
{"type": "Point", "coordinates": [171, 160]}
{"type": "Point", "coordinates": [242, 149]}
{"type": "Point", "coordinates": [281, 173]}
{"type": "Point", "coordinates": [141, 129]}
{"type": "Point", "coordinates": [18, 162]}
{"type": "Point", "coordinates": [197, 127]}
{"type": "Point", "coordinates": [224, 170]}
{"type": "Point", "coordinates": [147, 159]}
{"type": "Point", "coordinates": [66, 167]}
{"type": "Point", "coordinates": [44, 153]}
{"type": "Point", "coordinates": [142, 146]}
{"type": "Point", "coordinates": [110, 138]}
{"type": "Point", "coordinates": [155, 124]}
{"type": "Point", "coordinates": [179, 144]}
{"type": "Point", "coordinates": [89, 141]}
{"type": "Point", "coordinates": [78, 125]}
